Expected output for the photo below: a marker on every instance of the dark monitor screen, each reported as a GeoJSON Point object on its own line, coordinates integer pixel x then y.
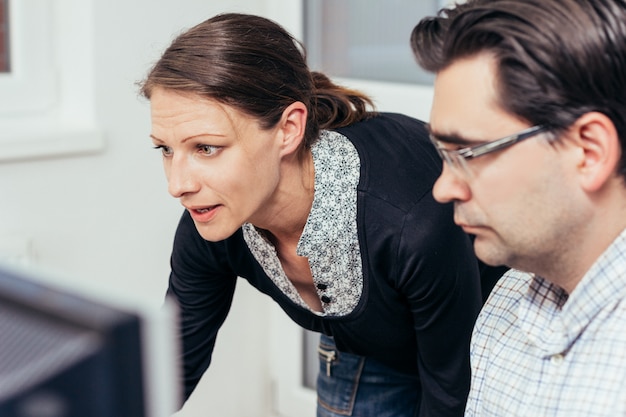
{"type": "Point", "coordinates": [64, 354]}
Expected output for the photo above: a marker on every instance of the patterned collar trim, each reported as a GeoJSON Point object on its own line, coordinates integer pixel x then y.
{"type": "Point", "coordinates": [330, 237]}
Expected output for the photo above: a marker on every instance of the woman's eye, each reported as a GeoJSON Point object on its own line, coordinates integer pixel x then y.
{"type": "Point", "coordinates": [165, 150]}
{"type": "Point", "coordinates": [208, 149]}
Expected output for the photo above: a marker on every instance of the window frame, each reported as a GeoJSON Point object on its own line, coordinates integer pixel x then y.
{"type": "Point", "coordinates": [47, 105]}
{"type": "Point", "coordinates": [4, 37]}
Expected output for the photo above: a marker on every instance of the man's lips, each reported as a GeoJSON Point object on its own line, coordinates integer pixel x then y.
{"type": "Point", "coordinates": [465, 226]}
{"type": "Point", "coordinates": [472, 229]}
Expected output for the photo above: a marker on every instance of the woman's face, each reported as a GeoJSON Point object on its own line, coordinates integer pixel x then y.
{"type": "Point", "coordinates": [218, 162]}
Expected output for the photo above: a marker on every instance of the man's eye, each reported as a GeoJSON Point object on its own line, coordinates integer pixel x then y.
{"type": "Point", "coordinates": [208, 149]}
{"type": "Point", "coordinates": [165, 150]}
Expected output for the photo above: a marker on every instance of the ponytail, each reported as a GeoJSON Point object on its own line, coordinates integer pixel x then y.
{"type": "Point", "coordinates": [336, 106]}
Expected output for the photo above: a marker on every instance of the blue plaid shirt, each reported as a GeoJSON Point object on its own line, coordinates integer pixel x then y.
{"type": "Point", "coordinates": [536, 351]}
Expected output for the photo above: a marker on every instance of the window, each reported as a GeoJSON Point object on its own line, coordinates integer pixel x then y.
{"type": "Point", "coordinates": [4, 36]}
{"type": "Point", "coordinates": [365, 39]}
{"type": "Point", "coordinates": [47, 102]}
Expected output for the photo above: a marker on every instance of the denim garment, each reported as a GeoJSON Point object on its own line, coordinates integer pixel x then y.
{"type": "Point", "coordinates": [362, 387]}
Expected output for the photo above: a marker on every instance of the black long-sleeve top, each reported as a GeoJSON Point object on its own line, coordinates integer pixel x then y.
{"type": "Point", "coordinates": [420, 290]}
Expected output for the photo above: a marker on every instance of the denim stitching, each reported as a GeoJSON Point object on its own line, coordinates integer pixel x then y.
{"type": "Point", "coordinates": [357, 378]}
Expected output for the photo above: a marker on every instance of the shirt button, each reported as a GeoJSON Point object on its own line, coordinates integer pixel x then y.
{"type": "Point", "coordinates": [556, 359]}
{"type": "Point", "coordinates": [326, 299]}
{"type": "Point", "coordinates": [322, 286]}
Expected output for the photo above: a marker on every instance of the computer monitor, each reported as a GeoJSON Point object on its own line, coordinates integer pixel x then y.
{"type": "Point", "coordinates": [67, 353]}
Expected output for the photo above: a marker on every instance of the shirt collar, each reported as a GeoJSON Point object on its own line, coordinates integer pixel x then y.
{"type": "Point", "coordinates": [330, 236]}
{"type": "Point", "coordinates": [553, 320]}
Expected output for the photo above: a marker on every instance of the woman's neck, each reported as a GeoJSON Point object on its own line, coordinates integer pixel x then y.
{"type": "Point", "coordinates": [291, 204]}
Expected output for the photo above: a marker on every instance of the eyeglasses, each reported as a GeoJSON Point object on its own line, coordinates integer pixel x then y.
{"type": "Point", "coordinates": [457, 158]}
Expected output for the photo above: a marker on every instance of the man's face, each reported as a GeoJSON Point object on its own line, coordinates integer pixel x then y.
{"type": "Point", "coordinates": [519, 202]}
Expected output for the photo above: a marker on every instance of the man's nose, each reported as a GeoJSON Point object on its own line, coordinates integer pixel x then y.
{"type": "Point", "coordinates": [450, 186]}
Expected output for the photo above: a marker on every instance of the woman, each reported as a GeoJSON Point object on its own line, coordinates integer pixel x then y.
{"type": "Point", "coordinates": [292, 184]}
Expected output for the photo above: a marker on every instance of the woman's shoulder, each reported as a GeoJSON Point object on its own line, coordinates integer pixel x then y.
{"type": "Point", "coordinates": [400, 126]}
{"type": "Point", "coordinates": [398, 162]}
{"type": "Point", "coordinates": [393, 138]}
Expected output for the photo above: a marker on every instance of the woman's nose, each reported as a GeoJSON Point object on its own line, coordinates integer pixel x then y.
{"type": "Point", "coordinates": [181, 179]}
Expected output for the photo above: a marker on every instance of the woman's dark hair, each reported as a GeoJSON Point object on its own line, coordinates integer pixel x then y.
{"type": "Point", "coordinates": [254, 65]}
{"type": "Point", "coordinates": [556, 59]}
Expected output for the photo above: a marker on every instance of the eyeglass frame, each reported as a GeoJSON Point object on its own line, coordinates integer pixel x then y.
{"type": "Point", "coordinates": [471, 152]}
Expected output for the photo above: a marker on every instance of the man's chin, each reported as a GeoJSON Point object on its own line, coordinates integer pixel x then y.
{"type": "Point", "coordinates": [488, 254]}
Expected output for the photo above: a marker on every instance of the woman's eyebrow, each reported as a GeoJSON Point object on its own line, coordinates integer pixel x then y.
{"type": "Point", "coordinates": [190, 137]}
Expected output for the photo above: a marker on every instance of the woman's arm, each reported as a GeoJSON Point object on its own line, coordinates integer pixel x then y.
{"type": "Point", "coordinates": [440, 277]}
{"type": "Point", "coordinates": [203, 285]}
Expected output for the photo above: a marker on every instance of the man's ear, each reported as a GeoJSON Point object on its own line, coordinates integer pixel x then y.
{"type": "Point", "coordinates": [601, 149]}
{"type": "Point", "coordinates": [292, 126]}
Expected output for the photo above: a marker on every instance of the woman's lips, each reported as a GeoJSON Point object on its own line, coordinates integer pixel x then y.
{"type": "Point", "coordinates": [204, 214]}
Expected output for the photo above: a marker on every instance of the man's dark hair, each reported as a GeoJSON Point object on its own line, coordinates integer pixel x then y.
{"type": "Point", "coordinates": [556, 59]}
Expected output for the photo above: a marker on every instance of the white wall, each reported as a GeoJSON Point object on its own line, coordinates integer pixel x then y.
{"type": "Point", "coordinates": [106, 220]}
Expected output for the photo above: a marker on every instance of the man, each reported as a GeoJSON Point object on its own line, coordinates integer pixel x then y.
{"type": "Point", "coordinates": [529, 116]}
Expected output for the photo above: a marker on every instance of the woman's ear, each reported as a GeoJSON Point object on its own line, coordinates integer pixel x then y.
{"type": "Point", "coordinates": [292, 126]}
{"type": "Point", "coordinates": [601, 150]}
